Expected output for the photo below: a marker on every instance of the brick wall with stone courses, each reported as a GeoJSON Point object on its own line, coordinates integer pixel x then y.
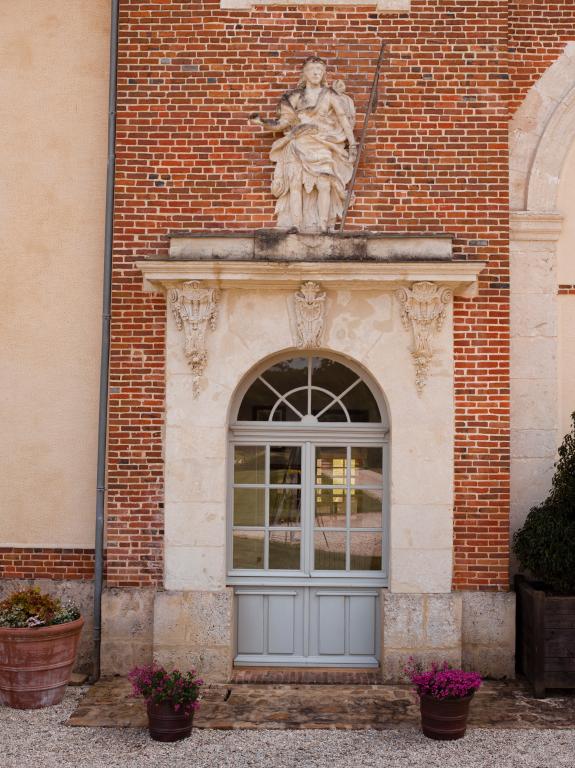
{"type": "Point", "coordinates": [46, 563]}
{"type": "Point", "coordinates": [538, 32]}
{"type": "Point", "coordinates": [435, 162]}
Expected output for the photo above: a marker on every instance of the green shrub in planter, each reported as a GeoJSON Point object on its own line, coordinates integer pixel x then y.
{"type": "Point", "coordinates": [545, 545]}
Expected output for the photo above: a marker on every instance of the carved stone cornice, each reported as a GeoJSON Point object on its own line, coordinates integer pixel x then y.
{"type": "Point", "coordinates": [535, 225]}
{"type": "Point", "coordinates": [459, 276]}
{"type": "Point", "coordinates": [309, 303]}
{"type": "Point", "coordinates": [194, 309]}
{"type": "Point", "coordinates": [423, 311]}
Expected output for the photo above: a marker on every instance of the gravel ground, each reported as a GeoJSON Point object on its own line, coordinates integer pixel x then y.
{"type": "Point", "coordinates": [38, 739]}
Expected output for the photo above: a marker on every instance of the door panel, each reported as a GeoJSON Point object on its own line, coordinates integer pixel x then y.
{"type": "Point", "coordinates": [308, 626]}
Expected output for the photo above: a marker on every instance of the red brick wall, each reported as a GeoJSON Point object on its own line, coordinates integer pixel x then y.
{"type": "Point", "coordinates": [46, 563]}
{"type": "Point", "coordinates": [435, 161]}
{"type": "Point", "coordinates": [538, 31]}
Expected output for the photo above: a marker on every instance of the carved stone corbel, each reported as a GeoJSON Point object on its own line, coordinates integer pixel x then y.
{"type": "Point", "coordinates": [309, 304]}
{"type": "Point", "coordinates": [423, 310]}
{"type": "Point", "coordinates": [194, 309]}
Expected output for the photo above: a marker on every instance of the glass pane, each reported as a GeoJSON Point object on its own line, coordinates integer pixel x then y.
{"type": "Point", "coordinates": [365, 552]}
{"type": "Point", "coordinates": [248, 549]}
{"type": "Point", "coordinates": [361, 404]}
{"type": "Point", "coordinates": [329, 551]}
{"type": "Point", "coordinates": [366, 466]}
{"type": "Point", "coordinates": [335, 413]}
{"type": "Point", "coordinates": [330, 507]}
{"type": "Point", "coordinates": [319, 400]}
{"type": "Point", "coordinates": [285, 465]}
{"type": "Point", "coordinates": [284, 506]}
{"type": "Point", "coordinates": [365, 509]}
{"type": "Point", "coordinates": [257, 403]}
{"type": "Point", "coordinates": [299, 401]}
{"type": "Point", "coordinates": [331, 375]}
{"type": "Point", "coordinates": [249, 506]}
{"type": "Point", "coordinates": [330, 466]}
{"type": "Point", "coordinates": [284, 413]}
{"type": "Point", "coordinates": [249, 464]}
{"type": "Point", "coordinates": [284, 550]}
{"type": "Point", "coordinates": [287, 374]}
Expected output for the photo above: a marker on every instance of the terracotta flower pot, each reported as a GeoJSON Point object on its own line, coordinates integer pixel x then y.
{"type": "Point", "coordinates": [165, 724]}
{"type": "Point", "coordinates": [444, 719]}
{"type": "Point", "coordinates": [36, 664]}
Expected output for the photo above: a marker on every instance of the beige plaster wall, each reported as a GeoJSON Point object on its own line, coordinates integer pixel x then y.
{"type": "Point", "coordinates": [566, 275]}
{"type": "Point", "coordinates": [53, 75]}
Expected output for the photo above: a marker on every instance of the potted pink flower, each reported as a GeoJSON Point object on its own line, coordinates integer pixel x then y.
{"type": "Point", "coordinates": [444, 698]}
{"type": "Point", "coordinates": [171, 699]}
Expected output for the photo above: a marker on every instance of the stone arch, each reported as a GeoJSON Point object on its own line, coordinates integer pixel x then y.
{"type": "Point", "coordinates": [537, 145]}
{"type": "Point", "coordinates": [541, 135]}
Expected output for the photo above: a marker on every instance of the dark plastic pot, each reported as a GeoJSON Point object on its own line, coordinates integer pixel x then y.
{"type": "Point", "coordinates": [166, 724]}
{"type": "Point", "coordinates": [444, 719]}
{"type": "Point", "coordinates": [36, 664]}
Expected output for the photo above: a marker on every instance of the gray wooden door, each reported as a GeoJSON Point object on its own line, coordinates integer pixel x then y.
{"type": "Point", "coordinates": [308, 536]}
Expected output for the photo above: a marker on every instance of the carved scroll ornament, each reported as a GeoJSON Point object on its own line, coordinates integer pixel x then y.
{"type": "Point", "coordinates": [310, 315]}
{"type": "Point", "coordinates": [194, 309]}
{"type": "Point", "coordinates": [423, 310]}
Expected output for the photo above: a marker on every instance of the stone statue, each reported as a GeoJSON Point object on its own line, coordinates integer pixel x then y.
{"type": "Point", "coordinates": [315, 157]}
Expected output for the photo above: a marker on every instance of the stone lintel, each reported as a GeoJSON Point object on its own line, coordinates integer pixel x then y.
{"type": "Point", "coordinates": [459, 276]}
{"type": "Point", "coordinates": [282, 245]}
{"type": "Point", "coordinates": [535, 225]}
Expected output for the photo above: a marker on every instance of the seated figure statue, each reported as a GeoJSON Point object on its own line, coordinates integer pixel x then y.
{"type": "Point", "coordinates": [315, 156]}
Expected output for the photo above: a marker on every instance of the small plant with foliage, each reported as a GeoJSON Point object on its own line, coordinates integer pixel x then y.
{"type": "Point", "coordinates": [440, 681]}
{"type": "Point", "coordinates": [156, 685]}
{"type": "Point", "coordinates": [31, 608]}
{"type": "Point", "coordinates": [545, 545]}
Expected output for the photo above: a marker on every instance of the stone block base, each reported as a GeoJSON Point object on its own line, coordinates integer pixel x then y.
{"type": "Point", "coordinates": [79, 592]}
{"type": "Point", "coordinates": [474, 630]}
{"type": "Point", "coordinates": [127, 629]}
{"type": "Point", "coordinates": [194, 629]}
{"type": "Point", "coordinates": [488, 633]}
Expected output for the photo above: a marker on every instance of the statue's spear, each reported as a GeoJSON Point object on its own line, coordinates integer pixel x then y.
{"type": "Point", "coordinates": [370, 108]}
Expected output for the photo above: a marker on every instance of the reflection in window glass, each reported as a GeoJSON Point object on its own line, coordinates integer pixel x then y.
{"type": "Point", "coordinates": [257, 403]}
{"type": "Point", "coordinates": [248, 548]}
{"type": "Point", "coordinates": [250, 464]}
{"type": "Point", "coordinates": [366, 509]}
{"type": "Point", "coordinates": [284, 550]}
{"type": "Point", "coordinates": [319, 401]}
{"type": "Point", "coordinates": [329, 551]}
{"type": "Point", "coordinates": [287, 374]}
{"type": "Point", "coordinates": [367, 464]}
{"type": "Point", "coordinates": [330, 507]}
{"type": "Point", "coordinates": [249, 506]}
{"type": "Point", "coordinates": [285, 465]}
{"type": "Point", "coordinates": [330, 466]}
{"type": "Point", "coordinates": [361, 404]}
{"type": "Point", "coordinates": [365, 550]}
{"type": "Point", "coordinates": [328, 374]}
{"type": "Point", "coordinates": [285, 506]}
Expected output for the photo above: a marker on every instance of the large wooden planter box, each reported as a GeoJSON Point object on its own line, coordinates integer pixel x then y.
{"type": "Point", "coordinates": [545, 637]}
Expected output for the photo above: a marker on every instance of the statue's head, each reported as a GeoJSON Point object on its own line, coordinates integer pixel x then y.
{"type": "Point", "coordinates": [313, 72]}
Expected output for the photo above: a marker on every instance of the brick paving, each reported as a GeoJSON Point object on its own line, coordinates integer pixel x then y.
{"type": "Point", "coordinates": [507, 705]}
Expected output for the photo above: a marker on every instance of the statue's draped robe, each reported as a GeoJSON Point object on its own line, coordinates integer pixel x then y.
{"type": "Point", "coordinates": [313, 147]}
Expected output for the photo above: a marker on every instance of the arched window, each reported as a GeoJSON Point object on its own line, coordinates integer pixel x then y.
{"type": "Point", "coordinates": [309, 390]}
{"type": "Point", "coordinates": [309, 487]}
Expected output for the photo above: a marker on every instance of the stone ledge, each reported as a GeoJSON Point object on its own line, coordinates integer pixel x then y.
{"type": "Point", "coordinates": [282, 245]}
{"type": "Point", "coordinates": [460, 276]}
{"type": "Point", "coordinates": [383, 6]}
{"type": "Point", "coordinates": [535, 225]}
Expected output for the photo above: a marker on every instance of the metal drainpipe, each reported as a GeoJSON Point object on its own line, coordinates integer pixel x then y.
{"type": "Point", "coordinates": [105, 354]}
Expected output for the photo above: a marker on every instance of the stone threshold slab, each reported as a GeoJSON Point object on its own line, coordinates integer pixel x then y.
{"type": "Point", "coordinates": [508, 705]}
{"type": "Point", "coordinates": [460, 276]}
{"type": "Point", "coordinates": [287, 245]}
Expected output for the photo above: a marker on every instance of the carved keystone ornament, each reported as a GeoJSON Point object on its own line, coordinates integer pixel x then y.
{"type": "Point", "coordinates": [194, 309]}
{"type": "Point", "coordinates": [310, 315]}
{"type": "Point", "coordinates": [423, 310]}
